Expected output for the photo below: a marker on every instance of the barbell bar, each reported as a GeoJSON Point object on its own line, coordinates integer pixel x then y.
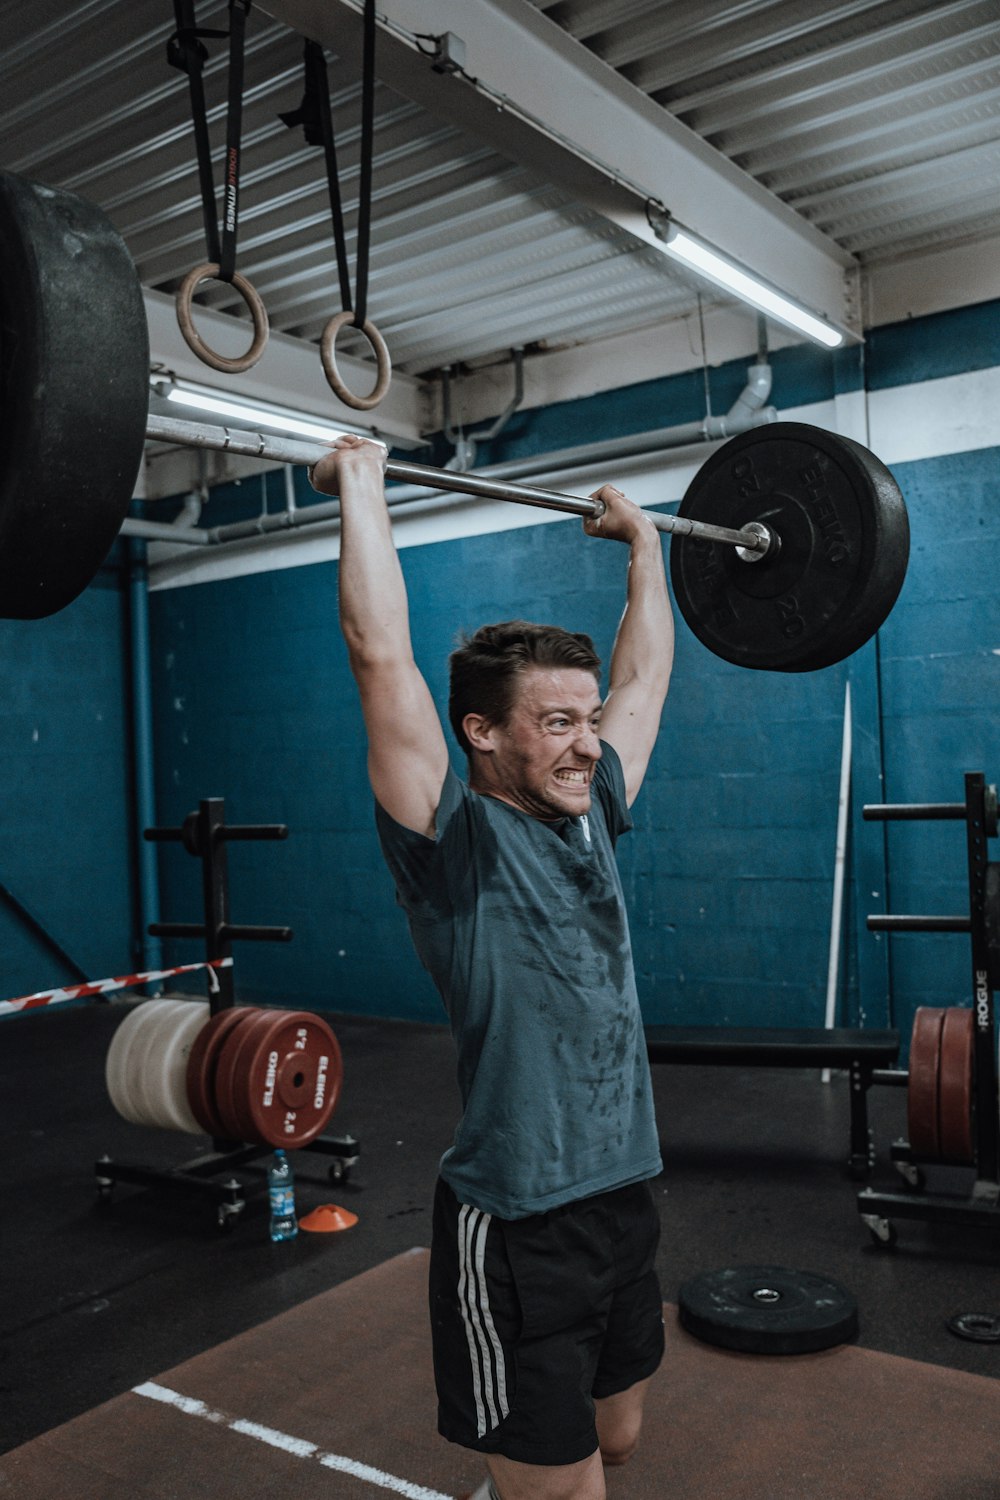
{"type": "Point", "coordinates": [277, 449]}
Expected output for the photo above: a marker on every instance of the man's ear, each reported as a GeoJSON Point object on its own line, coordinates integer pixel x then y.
{"type": "Point", "coordinates": [479, 732]}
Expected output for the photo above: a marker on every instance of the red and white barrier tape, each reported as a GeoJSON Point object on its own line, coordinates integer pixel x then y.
{"type": "Point", "coordinates": [102, 986]}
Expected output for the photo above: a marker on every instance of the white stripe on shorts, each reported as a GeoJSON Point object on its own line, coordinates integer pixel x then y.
{"type": "Point", "coordinates": [489, 1374]}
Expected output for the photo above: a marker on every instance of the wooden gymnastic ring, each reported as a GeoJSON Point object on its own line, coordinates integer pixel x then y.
{"type": "Point", "coordinates": [955, 1086]}
{"type": "Point", "coordinates": [209, 271]}
{"type": "Point", "coordinates": [922, 1089]}
{"type": "Point", "coordinates": [329, 358]}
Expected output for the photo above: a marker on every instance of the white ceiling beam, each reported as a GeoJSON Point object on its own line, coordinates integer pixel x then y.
{"type": "Point", "coordinates": [539, 97]}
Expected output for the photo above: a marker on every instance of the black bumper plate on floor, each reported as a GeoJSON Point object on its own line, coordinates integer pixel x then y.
{"type": "Point", "coordinates": [767, 1310]}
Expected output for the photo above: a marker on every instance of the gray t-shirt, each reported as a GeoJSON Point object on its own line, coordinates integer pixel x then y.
{"type": "Point", "coordinates": [521, 924]}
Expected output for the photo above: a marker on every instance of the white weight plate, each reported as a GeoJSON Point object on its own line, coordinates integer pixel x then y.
{"type": "Point", "coordinates": [117, 1069]}
{"type": "Point", "coordinates": [144, 1077]}
{"type": "Point", "coordinates": [172, 1065]}
{"type": "Point", "coordinates": [144, 1045]}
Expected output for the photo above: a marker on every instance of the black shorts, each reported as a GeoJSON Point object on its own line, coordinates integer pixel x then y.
{"type": "Point", "coordinates": [533, 1318]}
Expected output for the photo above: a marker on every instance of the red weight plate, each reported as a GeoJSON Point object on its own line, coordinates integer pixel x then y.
{"type": "Point", "coordinates": [922, 1091]}
{"type": "Point", "coordinates": [228, 1075]}
{"type": "Point", "coordinates": [958, 1034]}
{"type": "Point", "coordinates": [202, 1064]}
{"type": "Point", "coordinates": [293, 1078]}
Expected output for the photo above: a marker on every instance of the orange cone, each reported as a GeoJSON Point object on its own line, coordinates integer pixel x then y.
{"type": "Point", "coordinates": [329, 1218]}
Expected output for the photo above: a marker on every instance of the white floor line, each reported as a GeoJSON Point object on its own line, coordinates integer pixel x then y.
{"type": "Point", "coordinates": [298, 1447]}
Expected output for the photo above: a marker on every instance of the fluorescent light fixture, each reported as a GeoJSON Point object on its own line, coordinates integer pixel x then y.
{"type": "Point", "coordinates": [251, 413]}
{"type": "Point", "coordinates": [701, 257]}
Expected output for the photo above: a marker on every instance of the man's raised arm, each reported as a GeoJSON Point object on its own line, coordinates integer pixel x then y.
{"type": "Point", "coordinates": [643, 655]}
{"type": "Point", "coordinates": [407, 753]}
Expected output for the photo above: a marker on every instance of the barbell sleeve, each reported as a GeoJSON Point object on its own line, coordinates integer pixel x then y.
{"type": "Point", "coordinates": [278, 449]}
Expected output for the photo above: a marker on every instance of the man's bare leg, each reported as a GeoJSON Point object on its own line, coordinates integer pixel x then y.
{"type": "Point", "coordinates": [516, 1481]}
{"type": "Point", "coordinates": [619, 1423]}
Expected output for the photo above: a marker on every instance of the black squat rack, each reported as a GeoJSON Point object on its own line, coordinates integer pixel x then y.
{"type": "Point", "coordinates": [205, 834]}
{"type": "Point", "coordinates": [980, 1204]}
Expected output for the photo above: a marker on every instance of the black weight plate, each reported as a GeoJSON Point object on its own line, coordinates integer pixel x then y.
{"type": "Point", "coordinates": [845, 544]}
{"type": "Point", "coordinates": [767, 1310]}
{"type": "Point", "coordinates": [978, 1328]}
{"type": "Point", "coordinates": [74, 391]}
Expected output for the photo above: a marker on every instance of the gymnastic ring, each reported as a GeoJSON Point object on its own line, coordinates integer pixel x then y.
{"type": "Point", "coordinates": [185, 320]}
{"type": "Point", "coordinates": [329, 358]}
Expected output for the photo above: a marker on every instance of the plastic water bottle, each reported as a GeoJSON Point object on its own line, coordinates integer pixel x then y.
{"type": "Point", "coordinates": [281, 1189]}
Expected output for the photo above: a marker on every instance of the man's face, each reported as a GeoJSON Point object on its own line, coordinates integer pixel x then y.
{"type": "Point", "coordinates": [542, 759]}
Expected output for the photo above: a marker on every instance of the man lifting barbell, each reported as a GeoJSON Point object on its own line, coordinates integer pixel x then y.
{"type": "Point", "coordinates": [545, 1306]}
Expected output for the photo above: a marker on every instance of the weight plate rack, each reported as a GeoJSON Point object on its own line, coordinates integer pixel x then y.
{"type": "Point", "coordinates": [952, 1104]}
{"type": "Point", "coordinates": [204, 834]}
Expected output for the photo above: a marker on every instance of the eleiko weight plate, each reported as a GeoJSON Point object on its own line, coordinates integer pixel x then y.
{"type": "Point", "coordinates": [767, 1310]}
{"type": "Point", "coordinates": [956, 1135]}
{"type": "Point", "coordinates": [293, 1079]}
{"type": "Point", "coordinates": [922, 1088]}
{"type": "Point", "coordinates": [202, 1066]}
{"type": "Point", "coordinates": [229, 1092]}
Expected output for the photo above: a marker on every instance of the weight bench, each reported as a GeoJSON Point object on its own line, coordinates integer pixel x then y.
{"type": "Point", "coordinates": [859, 1052]}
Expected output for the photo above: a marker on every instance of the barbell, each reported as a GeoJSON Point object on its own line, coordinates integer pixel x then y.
{"type": "Point", "coordinates": [794, 541]}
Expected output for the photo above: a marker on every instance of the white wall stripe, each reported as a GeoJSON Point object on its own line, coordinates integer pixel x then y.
{"type": "Point", "coordinates": [297, 1447]}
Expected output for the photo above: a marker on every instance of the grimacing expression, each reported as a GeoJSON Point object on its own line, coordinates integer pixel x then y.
{"type": "Point", "coordinates": [542, 758]}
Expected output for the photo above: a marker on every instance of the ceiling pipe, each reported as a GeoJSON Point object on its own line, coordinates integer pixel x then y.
{"type": "Point", "coordinates": [748, 410]}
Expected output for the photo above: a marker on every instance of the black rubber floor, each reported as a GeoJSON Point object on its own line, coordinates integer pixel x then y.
{"type": "Point", "coordinates": [100, 1297]}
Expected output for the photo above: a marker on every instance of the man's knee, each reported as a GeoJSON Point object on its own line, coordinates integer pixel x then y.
{"type": "Point", "coordinates": [619, 1424]}
{"type": "Point", "coordinates": [618, 1447]}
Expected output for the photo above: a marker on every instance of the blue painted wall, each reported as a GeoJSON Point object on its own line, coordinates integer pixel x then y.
{"type": "Point", "coordinates": [65, 825]}
{"type": "Point", "coordinates": [729, 871]}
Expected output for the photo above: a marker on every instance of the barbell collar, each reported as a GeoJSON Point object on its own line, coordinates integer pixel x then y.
{"type": "Point", "coordinates": [277, 449]}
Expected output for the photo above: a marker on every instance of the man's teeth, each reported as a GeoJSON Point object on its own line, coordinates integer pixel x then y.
{"type": "Point", "coordinates": [576, 776]}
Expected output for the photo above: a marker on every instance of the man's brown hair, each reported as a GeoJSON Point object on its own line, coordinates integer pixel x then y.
{"type": "Point", "coordinates": [485, 667]}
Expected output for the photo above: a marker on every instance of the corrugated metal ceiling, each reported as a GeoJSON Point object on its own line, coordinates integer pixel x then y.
{"type": "Point", "coordinates": [877, 120]}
